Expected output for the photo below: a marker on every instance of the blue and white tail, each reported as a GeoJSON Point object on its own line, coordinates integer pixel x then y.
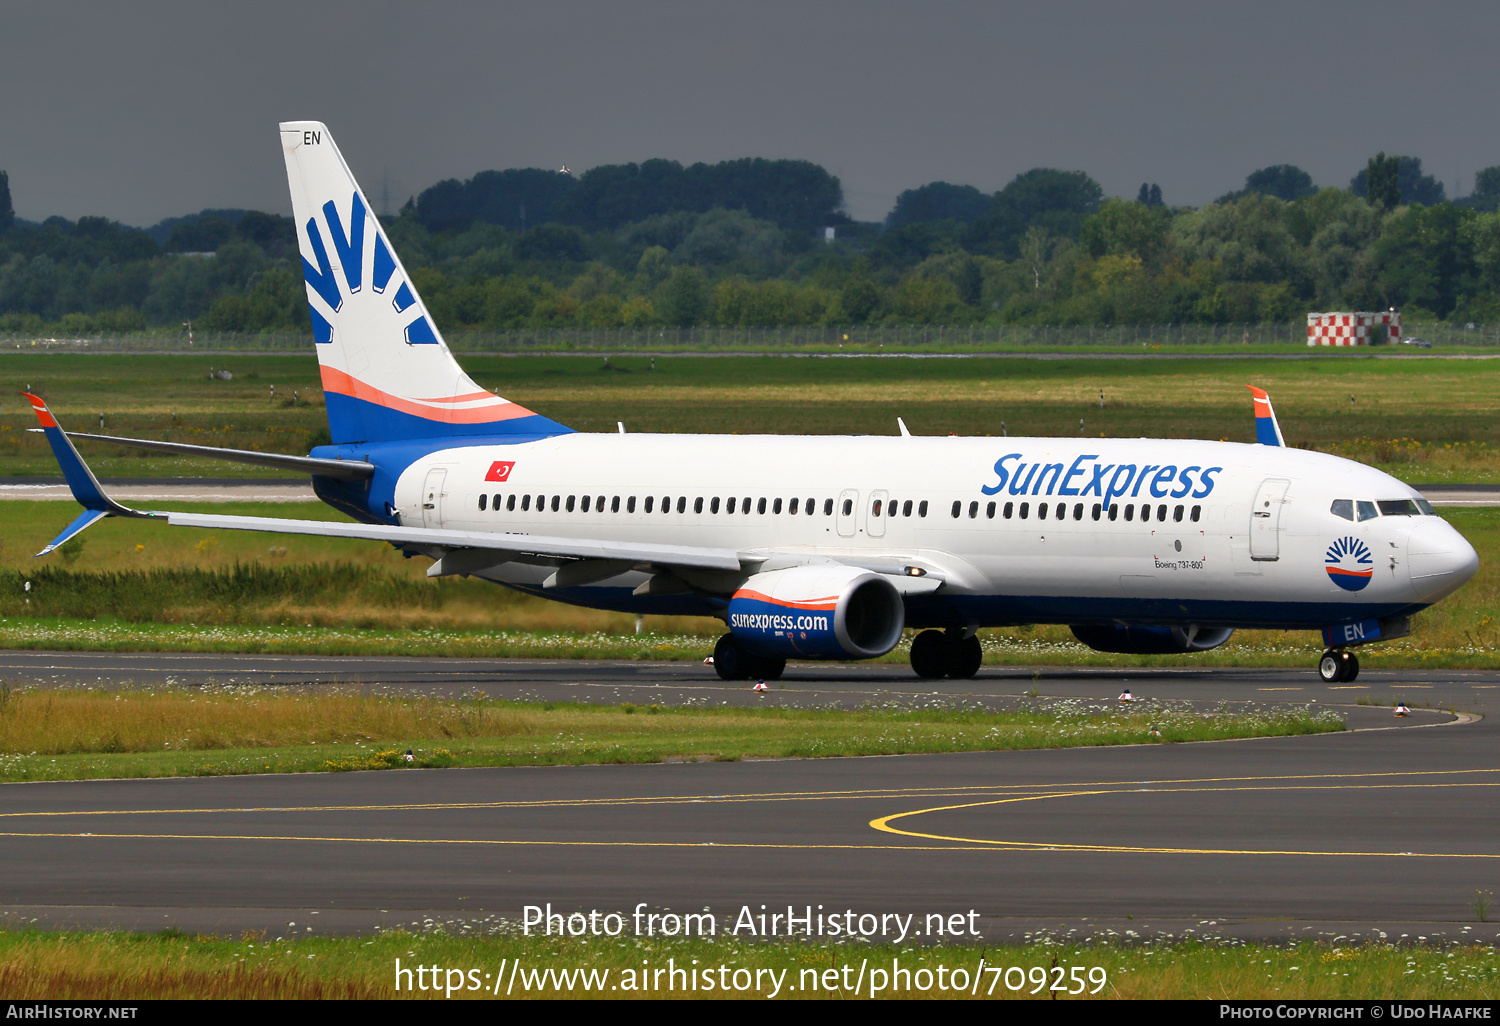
{"type": "Point", "coordinates": [387, 374]}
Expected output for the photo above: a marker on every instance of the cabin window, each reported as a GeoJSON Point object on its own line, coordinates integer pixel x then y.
{"type": "Point", "coordinates": [1025, 508]}
{"type": "Point", "coordinates": [849, 507]}
{"type": "Point", "coordinates": [1342, 508]}
{"type": "Point", "coordinates": [1130, 511]}
{"type": "Point", "coordinates": [614, 504]}
{"type": "Point", "coordinates": [630, 504]}
{"type": "Point", "coordinates": [682, 503]}
{"type": "Point", "coordinates": [1010, 508]}
{"type": "Point", "coordinates": [729, 504]}
{"type": "Point", "coordinates": [510, 503]}
{"type": "Point", "coordinates": [828, 507]}
{"type": "Point", "coordinates": [875, 508]}
{"type": "Point", "coordinates": [1145, 512]}
{"type": "Point", "coordinates": [1161, 512]}
{"type": "Point", "coordinates": [811, 507]}
{"type": "Point", "coordinates": [666, 504]}
{"type": "Point", "coordinates": [495, 502]}
{"type": "Point", "coordinates": [586, 503]}
{"type": "Point", "coordinates": [1098, 509]}
{"type": "Point", "coordinates": [989, 512]}
{"type": "Point", "coordinates": [556, 501]}
{"type": "Point", "coordinates": [482, 500]}
{"type": "Point", "coordinates": [906, 508]}
{"type": "Point", "coordinates": [650, 501]}
{"type": "Point", "coordinates": [525, 503]}
{"type": "Point", "coordinates": [1366, 510]}
{"type": "Point", "coordinates": [713, 505]}
{"type": "Point", "coordinates": [1177, 514]}
{"type": "Point", "coordinates": [973, 510]}
{"type": "Point", "coordinates": [776, 506]}
{"type": "Point", "coordinates": [1196, 511]}
{"type": "Point", "coordinates": [746, 505]}
{"type": "Point", "coordinates": [570, 502]}
{"type": "Point", "coordinates": [1114, 512]}
{"type": "Point", "coordinates": [1041, 511]}
{"type": "Point", "coordinates": [599, 504]}
{"type": "Point", "coordinates": [698, 505]}
{"type": "Point", "coordinates": [957, 508]}
{"type": "Point", "coordinates": [1078, 511]}
{"type": "Point", "coordinates": [792, 507]}
{"type": "Point", "coordinates": [1062, 511]}
{"type": "Point", "coordinates": [760, 507]}
{"type": "Point", "coordinates": [922, 508]}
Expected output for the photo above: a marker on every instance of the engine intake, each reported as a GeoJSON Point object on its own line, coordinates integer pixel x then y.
{"type": "Point", "coordinates": [817, 612]}
{"type": "Point", "coordinates": [1152, 640]}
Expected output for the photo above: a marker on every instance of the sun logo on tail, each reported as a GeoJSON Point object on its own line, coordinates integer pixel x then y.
{"type": "Point", "coordinates": [1349, 563]}
{"type": "Point", "coordinates": [323, 282]}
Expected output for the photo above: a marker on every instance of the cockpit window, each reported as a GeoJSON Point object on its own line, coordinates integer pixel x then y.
{"type": "Point", "coordinates": [1399, 508]}
{"type": "Point", "coordinates": [1425, 507]}
{"type": "Point", "coordinates": [1366, 510]}
{"type": "Point", "coordinates": [1342, 508]}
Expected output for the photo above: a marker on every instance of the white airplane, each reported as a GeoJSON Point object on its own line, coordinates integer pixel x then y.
{"type": "Point", "coordinates": [823, 547]}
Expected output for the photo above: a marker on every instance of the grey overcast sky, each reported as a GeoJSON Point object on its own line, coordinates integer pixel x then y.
{"type": "Point", "coordinates": [155, 108]}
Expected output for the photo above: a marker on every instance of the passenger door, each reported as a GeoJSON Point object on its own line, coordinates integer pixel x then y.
{"type": "Point", "coordinates": [1265, 519]}
{"type": "Point", "coordinates": [432, 497]}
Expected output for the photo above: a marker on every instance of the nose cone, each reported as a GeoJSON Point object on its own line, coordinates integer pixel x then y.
{"type": "Point", "coordinates": [1441, 559]}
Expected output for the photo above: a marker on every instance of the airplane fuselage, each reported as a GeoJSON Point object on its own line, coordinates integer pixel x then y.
{"type": "Point", "coordinates": [1018, 530]}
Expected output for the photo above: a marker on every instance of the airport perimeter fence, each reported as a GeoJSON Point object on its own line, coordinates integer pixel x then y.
{"type": "Point", "coordinates": [887, 338]}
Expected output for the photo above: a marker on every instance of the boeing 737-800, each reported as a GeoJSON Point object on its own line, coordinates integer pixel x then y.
{"type": "Point", "coordinates": [817, 547]}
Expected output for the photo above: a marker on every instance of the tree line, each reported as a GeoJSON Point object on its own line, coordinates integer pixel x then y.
{"type": "Point", "coordinates": [743, 243]}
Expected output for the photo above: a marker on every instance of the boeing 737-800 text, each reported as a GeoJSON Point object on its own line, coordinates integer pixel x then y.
{"type": "Point", "coordinates": [817, 547]}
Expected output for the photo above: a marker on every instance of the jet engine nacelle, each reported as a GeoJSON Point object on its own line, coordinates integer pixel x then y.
{"type": "Point", "coordinates": [817, 612]}
{"type": "Point", "coordinates": [1152, 640]}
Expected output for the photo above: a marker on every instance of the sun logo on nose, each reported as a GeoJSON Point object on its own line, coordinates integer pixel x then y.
{"type": "Point", "coordinates": [1349, 563]}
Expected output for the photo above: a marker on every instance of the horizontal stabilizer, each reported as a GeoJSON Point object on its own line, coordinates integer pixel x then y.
{"type": "Point", "coordinates": [343, 470]}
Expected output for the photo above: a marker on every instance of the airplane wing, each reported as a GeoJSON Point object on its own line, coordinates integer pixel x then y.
{"type": "Point", "coordinates": [344, 470]}
{"type": "Point", "coordinates": [489, 549]}
{"type": "Point", "coordinates": [580, 560]}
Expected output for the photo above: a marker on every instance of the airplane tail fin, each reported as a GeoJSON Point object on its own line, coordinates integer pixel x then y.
{"type": "Point", "coordinates": [1267, 431]}
{"type": "Point", "coordinates": [387, 373]}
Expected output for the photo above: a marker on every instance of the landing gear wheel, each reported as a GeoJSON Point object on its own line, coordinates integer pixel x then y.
{"type": "Point", "coordinates": [767, 667]}
{"type": "Point", "coordinates": [931, 655]}
{"type": "Point", "coordinates": [1331, 667]}
{"type": "Point", "coordinates": [965, 655]}
{"type": "Point", "coordinates": [730, 661]}
{"type": "Point", "coordinates": [1338, 667]}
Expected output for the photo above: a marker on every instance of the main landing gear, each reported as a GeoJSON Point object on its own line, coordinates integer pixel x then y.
{"type": "Point", "coordinates": [731, 662]}
{"type": "Point", "coordinates": [1339, 666]}
{"type": "Point", "coordinates": [936, 654]}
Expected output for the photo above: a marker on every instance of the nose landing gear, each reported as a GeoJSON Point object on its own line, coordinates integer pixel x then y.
{"type": "Point", "coordinates": [1338, 666]}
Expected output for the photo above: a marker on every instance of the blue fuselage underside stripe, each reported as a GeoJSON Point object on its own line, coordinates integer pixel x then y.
{"type": "Point", "coordinates": [1006, 610]}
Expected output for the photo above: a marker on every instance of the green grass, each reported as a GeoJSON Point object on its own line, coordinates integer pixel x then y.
{"type": "Point", "coordinates": [62, 734]}
{"type": "Point", "coordinates": [1421, 419]}
{"type": "Point", "coordinates": [295, 962]}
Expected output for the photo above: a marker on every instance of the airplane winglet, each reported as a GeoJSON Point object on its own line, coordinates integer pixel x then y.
{"type": "Point", "coordinates": [1267, 431]}
{"type": "Point", "coordinates": [81, 480]}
